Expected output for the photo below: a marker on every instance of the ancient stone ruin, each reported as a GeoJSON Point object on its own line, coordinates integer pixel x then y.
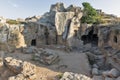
{"type": "Point", "coordinates": [59, 41]}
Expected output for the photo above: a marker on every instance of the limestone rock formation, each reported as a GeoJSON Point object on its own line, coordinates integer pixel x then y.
{"type": "Point", "coordinates": [13, 64]}
{"type": "Point", "coordinates": [62, 26]}
{"type": "Point", "coordinates": [58, 26]}
{"type": "Point", "coordinates": [109, 44]}
{"type": "Point", "coordinates": [62, 20]}
{"type": "Point", "coordinates": [11, 37]}
{"type": "Point", "coordinates": [24, 70]}
{"type": "Point", "coordinates": [74, 76]}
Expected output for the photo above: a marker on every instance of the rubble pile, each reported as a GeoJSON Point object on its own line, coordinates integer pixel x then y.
{"type": "Point", "coordinates": [45, 57]}
{"type": "Point", "coordinates": [24, 70]}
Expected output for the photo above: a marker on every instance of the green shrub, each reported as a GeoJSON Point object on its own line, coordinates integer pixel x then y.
{"type": "Point", "coordinates": [90, 14]}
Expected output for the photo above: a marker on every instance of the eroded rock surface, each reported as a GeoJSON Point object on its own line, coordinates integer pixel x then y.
{"type": "Point", "coordinates": [74, 76]}
{"type": "Point", "coordinates": [24, 70]}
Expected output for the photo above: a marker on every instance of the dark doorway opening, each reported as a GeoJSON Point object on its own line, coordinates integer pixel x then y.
{"type": "Point", "coordinates": [90, 38]}
{"type": "Point", "coordinates": [95, 39]}
{"type": "Point", "coordinates": [33, 42]}
{"type": "Point", "coordinates": [115, 39]}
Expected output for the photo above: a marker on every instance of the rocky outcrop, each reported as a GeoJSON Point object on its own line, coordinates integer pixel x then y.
{"type": "Point", "coordinates": [58, 26]}
{"type": "Point", "coordinates": [58, 7]}
{"type": "Point", "coordinates": [62, 26]}
{"type": "Point", "coordinates": [62, 20]}
{"type": "Point", "coordinates": [32, 19]}
{"type": "Point", "coordinates": [74, 76]}
{"type": "Point", "coordinates": [24, 70]}
{"type": "Point", "coordinates": [13, 64]}
{"type": "Point", "coordinates": [109, 44]}
{"type": "Point", "coordinates": [55, 26]}
{"type": "Point", "coordinates": [105, 62]}
{"type": "Point", "coordinates": [11, 37]}
{"type": "Point", "coordinates": [109, 36]}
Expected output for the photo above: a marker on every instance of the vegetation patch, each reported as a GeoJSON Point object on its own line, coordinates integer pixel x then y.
{"type": "Point", "coordinates": [12, 22]}
{"type": "Point", "coordinates": [90, 14]}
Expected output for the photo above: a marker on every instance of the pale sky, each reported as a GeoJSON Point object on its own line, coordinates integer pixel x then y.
{"type": "Point", "coordinates": [26, 8]}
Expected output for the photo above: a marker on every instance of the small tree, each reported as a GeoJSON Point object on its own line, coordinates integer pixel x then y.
{"type": "Point", "coordinates": [90, 14]}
